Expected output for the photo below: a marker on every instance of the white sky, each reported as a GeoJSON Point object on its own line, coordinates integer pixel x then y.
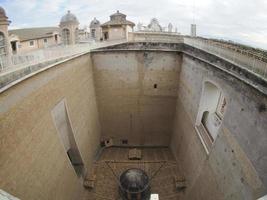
{"type": "Point", "coordinates": [243, 21]}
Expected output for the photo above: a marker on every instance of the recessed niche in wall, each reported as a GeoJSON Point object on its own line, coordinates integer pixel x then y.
{"type": "Point", "coordinates": [155, 86]}
{"type": "Point", "coordinates": [211, 111]}
{"type": "Point", "coordinates": [65, 133]}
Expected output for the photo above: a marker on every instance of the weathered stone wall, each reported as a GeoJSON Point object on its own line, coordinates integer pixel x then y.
{"type": "Point", "coordinates": [115, 33]}
{"type": "Point", "coordinates": [129, 105]}
{"type": "Point", "coordinates": [146, 97]}
{"type": "Point", "coordinates": [236, 165]}
{"type": "Point", "coordinates": [34, 164]}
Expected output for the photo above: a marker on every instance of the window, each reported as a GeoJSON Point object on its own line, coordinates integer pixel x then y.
{"type": "Point", "coordinates": [93, 33]}
{"type": "Point", "coordinates": [65, 132]}
{"type": "Point", "coordinates": [45, 40]}
{"type": "Point", "coordinates": [2, 44]}
{"type": "Point", "coordinates": [66, 36]}
{"type": "Point", "coordinates": [155, 86]}
{"type": "Point", "coordinates": [14, 46]}
{"type": "Point", "coordinates": [105, 35]}
{"type": "Point", "coordinates": [31, 43]}
{"type": "Point", "coordinates": [56, 37]}
{"type": "Point", "coordinates": [77, 35]}
{"type": "Point", "coordinates": [211, 111]}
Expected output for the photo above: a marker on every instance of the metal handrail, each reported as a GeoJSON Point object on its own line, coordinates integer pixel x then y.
{"type": "Point", "coordinates": [244, 58]}
{"type": "Point", "coordinates": [18, 61]}
{"type": "Point", "coordinates": [252, 61]}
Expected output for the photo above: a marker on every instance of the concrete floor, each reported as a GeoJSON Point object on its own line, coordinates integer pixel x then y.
{"type": "Point", "coordinates": [157, 162]}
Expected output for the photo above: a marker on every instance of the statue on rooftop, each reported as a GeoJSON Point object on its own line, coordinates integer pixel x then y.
{"type": "Point", "coordinates": [170, 27]}
{"type": "Point", "coordinates": [154, 25]}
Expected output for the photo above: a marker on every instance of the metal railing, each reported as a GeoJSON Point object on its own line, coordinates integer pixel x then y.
{"type": "Point", "coordinates": [254, 62]}
{"type": "Point", "coordinates": [51, 54]}
{"type": "Point", "coordinates": [249, 60]}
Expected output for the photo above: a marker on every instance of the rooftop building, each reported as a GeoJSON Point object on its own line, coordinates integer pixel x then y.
{"type": "Point", "coordinates": [69, 27]}
{"type": "Point", "coordinates": [95, 29]}
{"type": "Point", "coordinates": [29, 39]}
{"type": "Point", "coordinates": [117, 28]}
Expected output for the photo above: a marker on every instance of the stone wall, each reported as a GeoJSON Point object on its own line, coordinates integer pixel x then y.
{"type": "Point", "coordinates": [136, 94]}
{"type": "Point", "coordinates": [235, 167]}
{"type": "Point", "coordinates": [145, 97]}
{"type": "Point", "coordinates": [34, 164]}
{"type": "Point", "coordinates": [155, 37]}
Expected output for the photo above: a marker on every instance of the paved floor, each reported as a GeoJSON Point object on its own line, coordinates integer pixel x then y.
{"type": "Point", "coordinates": [158, 163]}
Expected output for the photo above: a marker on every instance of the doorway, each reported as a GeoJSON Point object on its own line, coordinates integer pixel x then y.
{"type": "Point", "coordinates": [105, 35]}
{"type": "Point", "coordinates": [14, 46]}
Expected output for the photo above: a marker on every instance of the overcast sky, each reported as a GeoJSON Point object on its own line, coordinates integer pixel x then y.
{"type": "Point", "coordinates": [244, 21]}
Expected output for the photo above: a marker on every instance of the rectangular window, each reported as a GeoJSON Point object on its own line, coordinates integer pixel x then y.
{"type": "Point", "coordinates": [45, 40]}
{"type": "Point", "coordinates": [93, 33]}
{"type": "Point", "coordinates": [65, 132]}
{"type": "Point", "coordinates": [31, 43]}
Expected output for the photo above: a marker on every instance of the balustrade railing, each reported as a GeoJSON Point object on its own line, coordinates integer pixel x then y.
{"type": "Point", "coordinates": [254, 62]}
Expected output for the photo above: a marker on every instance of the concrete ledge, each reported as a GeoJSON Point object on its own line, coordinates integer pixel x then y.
{"type": "Point", "coordinates": [243, 74]}
{"type": "Point", "coordinates": [232, 69]}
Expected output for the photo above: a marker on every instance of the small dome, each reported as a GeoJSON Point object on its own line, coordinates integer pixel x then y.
{"type": "Point", "coordinates": [118, 13]}
{"type": "Point", "coordinates": [2, 12]}
{"type": "Point", "coordinates": [94, 23]}
{"type": "Point", "coordinates": [69, 18]}
{"type": "Point", "coordinates": [118, 16]}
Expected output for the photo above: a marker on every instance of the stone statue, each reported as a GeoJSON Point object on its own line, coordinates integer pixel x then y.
{"type": "Point", "coordinates": [139, 26]}
{"type": "Point", "coordinates": [170, 27]}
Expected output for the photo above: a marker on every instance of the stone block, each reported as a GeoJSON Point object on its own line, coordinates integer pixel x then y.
{"type": "Point", "coordinates": [135, 154]}
{"type": "Point", "coordinates": [180, 183]}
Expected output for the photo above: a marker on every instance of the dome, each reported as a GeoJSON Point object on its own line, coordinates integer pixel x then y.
{"type": "Point", "coordinates": [2, 12]}
{"type": "Point", "coordinates": [133, 182]}
{"type": "Point", "coordinates": [94, 23]}
{"type": "Point", "coordinates": [118, 13]}
{"type": "Point", "coordinates": [69, 18]}
{"type": "Point", "coordinates": [118, 16]}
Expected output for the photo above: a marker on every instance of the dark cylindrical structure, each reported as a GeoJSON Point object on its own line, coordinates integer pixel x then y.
{"type": "Point", "coordinates": [134, 185]}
